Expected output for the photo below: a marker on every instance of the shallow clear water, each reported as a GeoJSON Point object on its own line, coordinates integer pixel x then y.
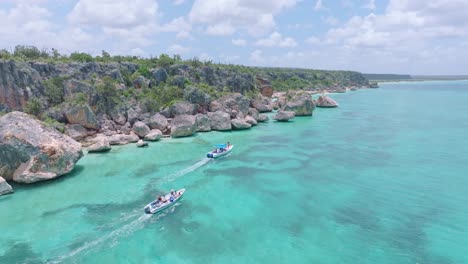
{"type": "Point", "coordinates": [381, 179]}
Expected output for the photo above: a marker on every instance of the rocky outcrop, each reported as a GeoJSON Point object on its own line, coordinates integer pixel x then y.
{"type": "Point", "coordinates": [240, 124]}
{"type": "Point", "coordinates": [197, 97]}
{"type": "Point", "coordinates": [265, 86]}
{"type": "Point", "coordinates": [203, 123]}
{"type": "Point", "coordinates": [262, 104]}
{"type": "Point", "coordinates": [153, 135]}
{"type": "Point", "coordinates": [183, 108]}
{"type": "Point", "coordinates": [284, 116]}
{"type": "Point", "coordinates": [325, 101]}
{"type": "Point", "coordinates": [231, 104]}
{"type": "Point", "coordinates": [101, 144]}
{"type": "Point", "coordinates": [122, 139]}
{"type": "Point", "coordinates": [160, 75]}
{"type": "Point", "coordinates": [157, 121]}
{"type": "Point", "coordinates": [31, 151]}
{"type": "Point", "coordinates": [141, 129]}
{"type": "Point", "coordinates": [300, 103]}
{"type": "Point", "coordinates": [249, 119]}
{"type": "Point", "coordinates": [140, 82]}
{"type": "Point", "coordinates": [5, 188]}
{"type": "Point", "coordinates": [262, 118]}
{"type": "Point", "coordinates": [141, 143]}
{"type": "Point", "coordinates": [253, 113]}
{"type": "Point", "coordinates": [81, 114]}
{"type": "Point", "coordinates": [76, 131]}
{"type": "Point", "coordinates": [118, 115]}
{"type": "Point", "coordinates": [183, 126]}
{"type": "Point", "coordinates": [220, 120]}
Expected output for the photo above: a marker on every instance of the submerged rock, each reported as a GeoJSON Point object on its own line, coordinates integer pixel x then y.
{"type": "Point", "coordinates": [325, 101]}
{"type": "Point", "coordinates": [183, 126]}
{"type": "Point", "coordinates": [5, 188]}
{"type": "Point", "coordinates": [30, 151]}
{"type": "Point", "coordinates": [284, 116]}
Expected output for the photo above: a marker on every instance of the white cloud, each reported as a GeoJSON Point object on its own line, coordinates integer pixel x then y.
{"type": "Point", "coordinates": [256, 57]}
{"type": "Point", "coordinates": [225, 17]}
{"type": "Point", "coordinates": [178, 49]}
{"type": "Point", "coordinates": [370, 5]}
{"type": "Point", "coordinates": [331, 20]}
{"type": "Point", "coordinates": [178, 2]}
{"type": "Point", "coordinates": [276, 40]}
{"type": "Point", "coordinates": [319, 5]}
{"type": "Point", "coordinates": [184, 35]}
{"type": "Point", "coordinates": [239, 42]}
{"type": "Point", "coordinates": [177, 25]}
{"type": "Point", "coordinates": [312, 40]}
{"type": "Point", "coordinates": [114, 13]}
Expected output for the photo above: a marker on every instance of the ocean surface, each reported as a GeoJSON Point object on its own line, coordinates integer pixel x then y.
{"type": "Point", "coordinates": [383, 178]}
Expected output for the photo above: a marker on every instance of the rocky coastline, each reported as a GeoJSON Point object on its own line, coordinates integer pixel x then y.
{"type": "Point", "coordinates": [32, 150]}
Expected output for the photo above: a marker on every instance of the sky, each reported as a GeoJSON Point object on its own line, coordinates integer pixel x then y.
{"type": "Point", "coordinates": [370, 36]}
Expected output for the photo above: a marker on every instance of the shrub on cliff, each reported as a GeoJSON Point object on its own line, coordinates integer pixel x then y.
{"type": "Point", "coordinates": [54, 90]}
{"type": "Point", "coordinates": [107, 96]}
{"type": "Point", "coordinates": [81, 57]}
{"type": "Point", "coordinates": [33, 107]}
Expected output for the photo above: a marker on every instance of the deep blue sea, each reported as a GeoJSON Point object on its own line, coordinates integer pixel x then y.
{"type": "Point", "coordinates": [383, 178]}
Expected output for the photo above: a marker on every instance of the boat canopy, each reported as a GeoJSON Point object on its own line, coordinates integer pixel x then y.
{"type": "Point", "coordinates": [221, 146]}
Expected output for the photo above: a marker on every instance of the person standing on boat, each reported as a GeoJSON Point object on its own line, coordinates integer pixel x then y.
{"type": "Point", "coordinates": [228, 144]}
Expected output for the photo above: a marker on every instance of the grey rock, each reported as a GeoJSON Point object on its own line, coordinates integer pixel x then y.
{"type": "Point", "coordinates": [140, 82]}
{"type": "Point", "coordinates": [118, 115]}
{"type": "Point", "coordinates": [231, 104]}
{"type": "Point", "coordinates": [31, 151]}
{"type": "Point", "coordinates": [251, 120]}
{"type": "Point", "coordinates": [179, 81]}
{"type": "Point", "coordinates": [325, 101]}
{"type": "Point", "coordinates": [240, 124]}
{"type": "Point", "coordinates": [183, 108]}
{"type": "Point", "coordinates": [116, 75]}
{"type": "Point", "coordinates": [133, 114]}
{"type": "Point", "coordinates": [5, 188]}
{"type": "Point", "coordinates": [262, 104]}
{"type": "Point", "coordinates": [81, 114]}
{"type": "Point", "coordinates": [141, 129]}
{"type": "Point", "coordinates": [141, 143]}
{"type": "Point", "coordinates": [203, 123]}
{"type": "Point", "coordinates": [76, 131]}
{"type": "Point", "coordinates": [101, 144]}
{"type": "Point", "coordinates": [183, 126]}
{"type": "Point", "coordinates": [122, 139]}
{"type": "Point", "coordinates": [160, 75]}
{"type": "Point", "coordinates": [284, 116]}
{"type": "Point", "coordinates": [154, 135]}
{"type": "Point", "coordinates": [301, 104]}
{"type": "Point", "coordinates": [220, 120]}
{"type": "Point", "coordinates": [73, 86]}
{"type": "Point", "coordinates": [253, 113]}
{"type": "Point", "coordinates": [157, 121]}
{"type": "Point", "coordinates": [196, 96]}
{"type": "Point", "coordinates": [263, 118]}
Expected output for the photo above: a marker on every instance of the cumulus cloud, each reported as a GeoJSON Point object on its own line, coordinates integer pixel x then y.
{"type": "Point", "coordinates": [276, 40]}
{"type": "Point", "coordinates": [178, 49]}
{"type": "Point", "coordinates": [370, 5]}
{"type": "Point", "coordinates": [239, 42]}
{"type": "Point", "coordinates": [225, 17]}
{"type": "Point", "coordinates": [319, 5]}
{"type": "Point", "coordinates": [177, 25]}
{"type": "Point", "coordinates": [178, 2]}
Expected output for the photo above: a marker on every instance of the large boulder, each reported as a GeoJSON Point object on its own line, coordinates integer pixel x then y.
{"type": "Point", "coordinates": [160, 75]}
{"type": "Point", "coordinates": [262, 104]}
{"type": "Point", "coordinates": [240, 124]}
{"type": "Point", "coordinates": [262, 118]}
{"type": "Point", "coordinates": [118, 116]}
{"type": "Point", "coordinates": [253, 113]}
{"type": "Point", "coordinates": [232, 104]}
{"type": "Point", "coordinates": [153, 135]}
{"type": "Point", "coordinates": [198, 97]}
{"type": "Point", "coordinates": [123, 139]}
{"type": "Point", "coordinates": [183, 126]}
{"type": "Point", "coordinates": [183, 108]}
{"type": "Point", "coordinates": [220, 120]}
{"type": "Point", "coordinates": [249, 119]}
{"type": "Point", "coordinates": [325, 101]}
{"type": "Point", "coordinates": [83, 115]}
{"type": "Point", "coordinates": [141, 129]}
{"type": "Point", "coordinates": [101, 144]}
{"type": "Point", "coordinates": [133, 114]}
{"type": "Point", "coordinates": [140, 82]}
{"type": "Point", "coordinates": [284, 116]}
{"type": "Point", "coordinates": [203, 123]}
{"type": "Point", "coordinates": [31, 151]}
{"type": "Point", "coordinates": [5, 188]}
{"type": "Point", "coordinates": [265, 86]}
{"type": "Point", "coordinates": [157, 121]}
{"type": "Point", "coordinates": [76, 131]}
{"type": "Point", "coordinates": [300, 103]}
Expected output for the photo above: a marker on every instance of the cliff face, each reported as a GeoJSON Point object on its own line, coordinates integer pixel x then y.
{"type": "Point", "coordinates": [21, 81]}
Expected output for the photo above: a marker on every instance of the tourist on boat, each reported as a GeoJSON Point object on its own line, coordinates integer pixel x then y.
{"type": "Point", "coordinates": [228, 144]}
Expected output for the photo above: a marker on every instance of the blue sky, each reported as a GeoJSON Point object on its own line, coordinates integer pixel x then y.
{"type": "Point", "coordinates": [372, 36]}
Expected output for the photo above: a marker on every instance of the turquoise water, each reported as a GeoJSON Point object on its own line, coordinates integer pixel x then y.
{"type": "Point", "coordinates": [381, 179]}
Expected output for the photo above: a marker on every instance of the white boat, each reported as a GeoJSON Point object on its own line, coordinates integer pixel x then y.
{"type": "Point", "coordinates": [220, 150]}
{"type": "Point", "coordinates": [156, 206]}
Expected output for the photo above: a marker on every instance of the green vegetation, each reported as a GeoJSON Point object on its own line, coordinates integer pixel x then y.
{"type": "Point", "coordinates": [107, 95]}
{"type": "Point", "coordinates": [53, 123]}
{"type": "Point", "coordinates": [33, 107]}
{"type": "Point", "coordinates": [54, 90]}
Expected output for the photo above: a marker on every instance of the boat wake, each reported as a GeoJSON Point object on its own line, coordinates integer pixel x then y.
{"type": "Point", "coordinates": [113, 237]}
{"type": "Point", "coordinates": [178, 174]}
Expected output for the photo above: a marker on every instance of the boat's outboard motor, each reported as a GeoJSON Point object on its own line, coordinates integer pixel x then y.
{"type": "Point", "coordinates": [147, 209]}
{"type": "Point", "coordinates": [209, 155]}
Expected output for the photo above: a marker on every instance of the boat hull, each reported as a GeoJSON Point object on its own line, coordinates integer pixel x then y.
{"type": "Point", "coordinates": [213, 155]}
{"type": "Point", "coordinates": [151, 208]}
